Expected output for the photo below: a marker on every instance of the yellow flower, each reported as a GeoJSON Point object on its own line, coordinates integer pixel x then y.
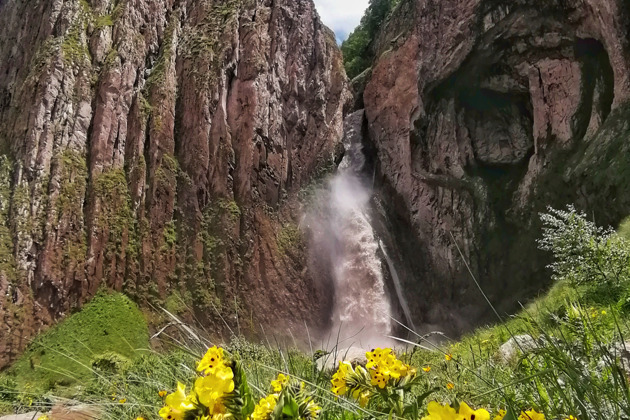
{"type": "Point", "coordinates": [362, 396]}
{"type": "Point", "coordinates": [313, 409]}
{"type": "Point", "coordinates": [379, 379]}
{"type": "Point", "coordinates": [571, 417]}
{"type": "Point", "coordinates": [531, 415]}
{"type": "Point", "coordinates": [265, 407]}
{"type": "Point", "coordinates": [177, 404]}
{"type": "Point", "coordinates": [139, 418]}
{"type": "Point", "coordinates": [122, 400]}
{"type": "Point", "coordinates": [500, 415]}
{"type": "Point", "coordinates": [379, 357]}
{"type": "Point", "coordinates": [467, 413]}
{"type": "Point", "coordinates": [214, 358]}
{"type": "Point", "coordinates": [210, 389]}
{"type": "Point", "coordinates": [399, 369]}
{"type": "Point", "coordinates": [438, 411]}
{"type": "Point", "coordinates": [603, 313]}
{"type": "Point", "coordinates": [448, 357]}
{"type": "Point", "coordinates": [43, 417]}
{"type": "Point", "coordinates": [339, 386]}
{"type": "Point", "coordinates": [427, 368]}
{"type": "Point", "coordinates": [162, 394]}
{"type": "Point", "coordinates": [280, 382]}
{"type": "Point", "coordinates": [450, 386]}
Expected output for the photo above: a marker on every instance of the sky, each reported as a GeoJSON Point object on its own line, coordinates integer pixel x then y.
{"type": "Point", "coordinates": [342, 16]}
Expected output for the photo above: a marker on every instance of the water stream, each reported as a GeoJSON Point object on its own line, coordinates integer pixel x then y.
{"type": "Point", "coordinates": [362, 312]}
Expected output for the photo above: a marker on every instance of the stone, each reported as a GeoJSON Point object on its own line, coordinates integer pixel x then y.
{"type": "Point", "coordinates": [78, 412]}
{"type": "Point", "coordinates": [515, 347]}
{"type": "Point", "coordinates": [621, 351]}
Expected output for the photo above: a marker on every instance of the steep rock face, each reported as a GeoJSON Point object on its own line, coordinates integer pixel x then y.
{"type": "Point", "coordinates": [156, 147]}
{"type": "Point", "coordinates": [482, 113]}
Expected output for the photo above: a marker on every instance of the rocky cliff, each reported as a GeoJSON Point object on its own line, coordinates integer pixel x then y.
{"type": "Point", "coordinates": [481, 113]}
{"type": "Point", "coordinates": [156, 147]}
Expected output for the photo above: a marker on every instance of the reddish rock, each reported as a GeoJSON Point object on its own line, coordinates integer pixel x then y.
{"type": "Point", "coordinates": [481, 114]}
{"type": "Point", "coordinates": [156, 146]}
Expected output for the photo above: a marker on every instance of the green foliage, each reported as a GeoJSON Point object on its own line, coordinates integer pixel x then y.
{"type": "Point", "coordinates": [584, 253]}
{"type": "Point", "coordinates": [231, 208]}
{"type": "Point", "coordinates": [74, 46]}
{"type": "Point", "coordinates": [578, 329]}
{"type": "Point", "coordinates": [289, 239]}
{"type": "Point", "coordinates": [103, 21]}
{"type": "Point", "coordinates": [8, 266]}
{"type": "Point", "coordinates": [64, 355]}
{"type": "Point", "coordinates": [574, 367]}
{"type": "Point", "coordinates": [205, 43]}
{"type": "Point", "coordinates": [110, 362]}
{"type": "Point", "coordinates": [115, 217]}
{"type": "Point", "coordinates": [356, 54]}
{"type": "Point", "coordinates": [177, 302]}
{"type": "Point", "coordinates": [138, 386]}
{"type": "Point", "coordinates": [69, 202]}
{"type": "Point", "coordinates": [45, 54]}
{"type": "Point", "coordinates": [158, 73]}
{"type": "Point", "coordinates": [166, 173]}
{"type": "Point", "coordinates": [357, 50]}
{"type": "Point", "coordinates": [73, 183]}
{"type": "Point", "coordinates": [170, 234]}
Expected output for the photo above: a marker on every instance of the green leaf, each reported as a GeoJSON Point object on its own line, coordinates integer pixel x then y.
{"type": "Point", "coordinates": [422, 397]}
{"type": "Point", "coordinates": [510, 415]}
{"type": "Point", "coordinates": [290, 407]}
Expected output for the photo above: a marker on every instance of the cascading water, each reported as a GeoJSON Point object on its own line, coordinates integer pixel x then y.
{"type": "Point", "coordinates": [361, 310]}
{"type": "Point", "coordinates": [399, 290]}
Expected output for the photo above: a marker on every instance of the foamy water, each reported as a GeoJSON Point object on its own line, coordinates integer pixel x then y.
{"type": "Point", "coordinates": [361, 315]}
{"type": "Point", "coordinates": [361, 304]}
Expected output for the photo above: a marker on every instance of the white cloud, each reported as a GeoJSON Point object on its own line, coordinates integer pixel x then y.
{"type": "Point", "coordinates": [342, 16]}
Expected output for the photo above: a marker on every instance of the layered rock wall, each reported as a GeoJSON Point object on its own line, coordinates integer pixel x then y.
{"type": "Point", "coordinates": [155, 147]}
{"type": "Point", "coordinates": [481, 114]}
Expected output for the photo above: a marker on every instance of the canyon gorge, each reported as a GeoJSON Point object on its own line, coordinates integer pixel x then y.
{"type": "Point", "coordinates": [216, 151]}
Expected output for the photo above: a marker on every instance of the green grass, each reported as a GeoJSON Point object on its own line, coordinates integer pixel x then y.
{"type": "Point", "coordinates": [573, 369]}
{"type": "Point", "coordinates": [63, 356]}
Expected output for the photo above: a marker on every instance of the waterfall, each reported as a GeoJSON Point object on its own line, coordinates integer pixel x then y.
{"type": "Point", "coordinates": [344, 232]}
{"type": "Point", "coordinates": [398, 287]}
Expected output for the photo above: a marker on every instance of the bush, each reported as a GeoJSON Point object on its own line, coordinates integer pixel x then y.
{"type": "Point", "coordinates": [583, 252]}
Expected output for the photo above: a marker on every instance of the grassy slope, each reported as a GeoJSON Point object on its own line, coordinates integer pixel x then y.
{"type": "Point", "coordinates": [64, 354]}
{"type": "Point", "coordinates": [575, 373]}
{"type": "Point", "coordinates": [571, 375]}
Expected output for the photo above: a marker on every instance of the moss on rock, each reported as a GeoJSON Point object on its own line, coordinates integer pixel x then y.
{"type": "Point", "coordinates": [8, 266]}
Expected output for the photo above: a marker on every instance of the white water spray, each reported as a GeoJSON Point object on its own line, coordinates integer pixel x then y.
{"type": "Point", "coordinates": [362, 311]}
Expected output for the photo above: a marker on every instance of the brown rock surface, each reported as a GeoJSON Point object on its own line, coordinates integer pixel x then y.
{"type": "Point", "coordinates": [154, 146]}
{"type": "Point", "coordinates": [482, 113]}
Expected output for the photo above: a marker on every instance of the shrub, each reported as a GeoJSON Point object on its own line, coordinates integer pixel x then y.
{"type": "Point", "coordinates": [583, 252]}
